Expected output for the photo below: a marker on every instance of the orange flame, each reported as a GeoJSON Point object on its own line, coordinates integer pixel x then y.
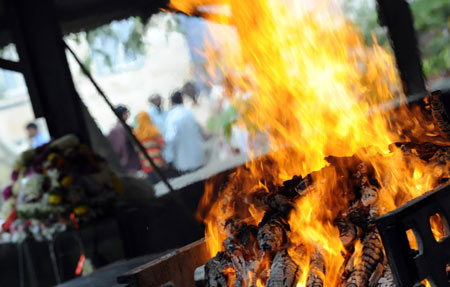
{"type": "Point", "coordinates": [316, 90]}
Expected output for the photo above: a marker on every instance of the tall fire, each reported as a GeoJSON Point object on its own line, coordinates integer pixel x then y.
{"type": "Point", "coordinates": [303, 215]}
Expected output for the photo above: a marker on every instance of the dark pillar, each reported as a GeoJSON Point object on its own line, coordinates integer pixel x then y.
{"type": "Point", "coordinates": [396, 16]}
{"type": "Point", "coordinates": [39, 43]}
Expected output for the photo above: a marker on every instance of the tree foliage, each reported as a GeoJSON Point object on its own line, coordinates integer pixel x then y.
{"type": "Point", "coordinates": [432, 24]}
{"type": "Point", "coordinates": [133, 46]}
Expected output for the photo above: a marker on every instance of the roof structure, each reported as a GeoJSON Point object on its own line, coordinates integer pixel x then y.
{"type": "Point", "coordinates": [81, 15]}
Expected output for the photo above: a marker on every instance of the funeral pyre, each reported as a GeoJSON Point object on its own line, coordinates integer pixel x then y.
{"type": "Point", "coordinates": [309, 228]}
{"type": "Point", "coordinates": [342, 154]}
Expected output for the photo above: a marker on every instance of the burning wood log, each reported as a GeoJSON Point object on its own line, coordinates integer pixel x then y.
{"type": "Point", "coordinates": [387, 280]}
{"type": "Point", "coordinates": [372, 255]}
{"type": "Point", "coordinates": [376, 275]}
{"type": "Point", "coordinates": [272, 233]}
{"type": "Point", "coordinates": [284, 272]}
{"type": "Point", "coordinates": [358, 214]}
{"type": "Point", "coordinates": [441, 157]}
{"type": "Point", "coordinates": [296, 186]}
{"type": "Point", "coordinates": [218, 270]}
{"type": "Point", "coordinates": [425, 151]}
{"type": "Point", "coordinates": [272, 202]}
{"type": "Point", "coordinates": [260, 252]}
{"type": "Point", "coordinates": [317, 270]}
{"type": "Point", "coordinates": [440, 114]}
{"type": "Point", "coordinates": [348, 232]}
{"type": "Point", "coordinates": [242, 249]}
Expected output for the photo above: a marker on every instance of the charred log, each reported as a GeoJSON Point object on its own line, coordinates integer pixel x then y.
{"type": "Point", "coordinates": [218, 270]}
{"type": "Point", "coordinates": [425, 151]}
{"type": "Point", "coordinates": [295, 186]}
{"type": "Point", "coordinates": [233, 225]}
{"type": "Point", "coordinates": [440, 114]}
{"type": "Point", "coordinates": [280, 203]}
{"type": "Point", "coordinates": [376, 275]}
{"type": "Point", "coordinates": [372, 255]}
{"type": "Point", "coordinates": [272, 233]}
{"type": "Point", "coordinates": [284, 272]}
{"type": "Point", "coordinates": [274, 202]}
{"type": "Point", "coordinates": [242, 249]}
{"type": "Point", "coordinates": [387, 280]}
{"type": "Point", "coordinates": [441, 156]}
{"type": "Point", "coordinates": [238, 258]}
{"type": "Point", "coordinates": [348, 232]}
{"type": "Point", "coordinates": [317, 270]}
{"type": "Point", "coordinates": [358, 214]}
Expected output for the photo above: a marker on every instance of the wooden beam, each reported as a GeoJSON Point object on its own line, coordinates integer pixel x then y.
{"type": "Point", "coordinates": [81, 15]}
{"type": "Point", "coordinates": [177, 267]}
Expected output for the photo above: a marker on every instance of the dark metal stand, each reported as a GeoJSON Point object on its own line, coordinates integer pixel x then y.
{"type": "Point", "coordinates": [409, 267]}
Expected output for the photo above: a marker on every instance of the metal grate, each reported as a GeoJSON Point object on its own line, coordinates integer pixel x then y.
{"type": "Point", "coordinates": [410, 267]}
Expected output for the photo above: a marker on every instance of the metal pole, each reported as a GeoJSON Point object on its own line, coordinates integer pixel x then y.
{"type": "Point", "coordinates": [124, 124]}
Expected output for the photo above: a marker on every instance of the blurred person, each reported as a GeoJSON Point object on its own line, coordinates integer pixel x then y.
{"type": "Point", "coordinates": [153, 142]}
{"type": "Point", "coordinates": [240, 138]}
{"type": "Point", "coordinates": [232, 139]}
{"type": "Point", "coordinates": [183, 137]}
{"type": "Point", "coordinates": [156, 113]}
{"type": "Point", "coordinates": [36, 137]}
{"type": "Point", "coordinates": [190, 91]}
{"type": "Point", "coordinates": [123, 144]}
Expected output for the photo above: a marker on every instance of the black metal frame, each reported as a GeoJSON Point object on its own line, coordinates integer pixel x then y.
{"type": "Point", "coordinates": [409, 267]}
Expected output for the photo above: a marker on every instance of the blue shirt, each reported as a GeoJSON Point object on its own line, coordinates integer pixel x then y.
{"type": "Point", "coordinates": [39, 139]}
{"type": "Point", "coordinates": [158, 117]}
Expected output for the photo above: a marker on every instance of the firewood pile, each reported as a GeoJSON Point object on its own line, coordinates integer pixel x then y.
{"type": "Point", "coordinates": [265, 251]}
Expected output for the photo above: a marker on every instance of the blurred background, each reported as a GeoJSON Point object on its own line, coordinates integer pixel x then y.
{"type": "Point", "coordinates": [134, 58]}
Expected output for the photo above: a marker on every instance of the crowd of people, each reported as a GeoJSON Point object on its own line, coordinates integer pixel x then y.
{"type": "Point", "coordinates": [173, 139]}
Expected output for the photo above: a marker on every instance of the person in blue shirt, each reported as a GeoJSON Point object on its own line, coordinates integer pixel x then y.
{"type": "Point", "coordinates": [156, 113]}
{"type": "Point", "coordinates": [36, 137]}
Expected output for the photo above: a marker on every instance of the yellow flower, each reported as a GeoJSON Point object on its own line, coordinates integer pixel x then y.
{"type": "Point", "coordinates": [52, 156]}
{"type": "Point", "coordinates": [66, 181]}
{"type": "Point", "coordinates": [55, 199]}
{"type": "Point", "coordinates": [80, 210]}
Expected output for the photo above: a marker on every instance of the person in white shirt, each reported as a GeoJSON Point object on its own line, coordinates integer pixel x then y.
{"type": "Point", "coordinates": [183, 137]}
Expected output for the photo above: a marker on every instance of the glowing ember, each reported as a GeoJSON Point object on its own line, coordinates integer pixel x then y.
{"type": "Point", "coordinates": [316, 90]}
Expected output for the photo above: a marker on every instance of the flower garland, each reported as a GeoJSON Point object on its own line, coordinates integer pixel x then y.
{"type": "Point", "coordinates": [54, 187]}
